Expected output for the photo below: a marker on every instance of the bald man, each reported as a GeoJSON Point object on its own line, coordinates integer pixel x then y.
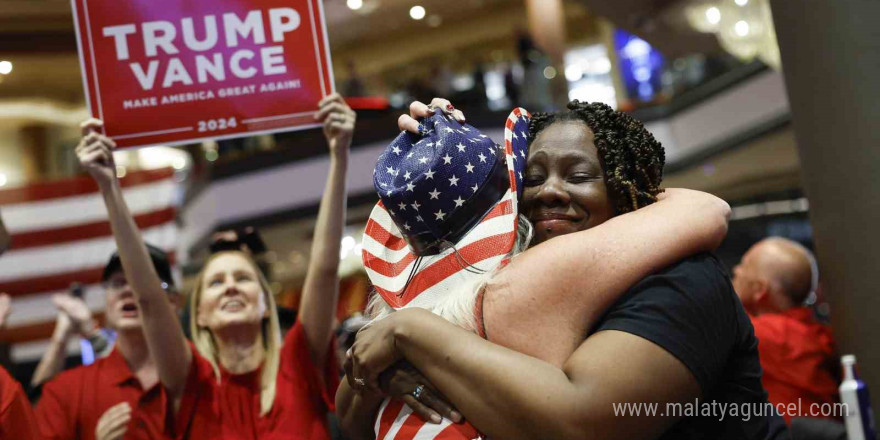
{"type": "Point", "coordinates": [797, 353]}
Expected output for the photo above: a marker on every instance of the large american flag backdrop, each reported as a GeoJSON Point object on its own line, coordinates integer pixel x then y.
{"type": "Point", "coordinates": [61, 235]}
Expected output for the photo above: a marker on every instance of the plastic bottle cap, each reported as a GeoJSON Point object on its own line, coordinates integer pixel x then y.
{"type": "Point", "coordinates": [848, 359]}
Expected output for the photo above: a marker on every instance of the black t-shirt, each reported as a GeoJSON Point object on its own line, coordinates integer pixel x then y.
{"type": "Point", "coordinates": [691, 310]}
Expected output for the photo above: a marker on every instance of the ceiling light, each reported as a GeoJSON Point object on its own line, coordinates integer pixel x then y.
{"type": "Point", "coordinates": [741, 2]}
{"type": "Point", "coordinates": [549, 72]}
{"type": "Point", "coordinates": [574, 73]}
{"type": "Point", "coordinates": [417, 12]}
{"type": "Point", "coordinates": [354, 4]}
{"type": "Point", "coordinates": [713, 15]}
{"type": "Point", "coordinates": [348, 243]}
{"type": "Point", "coordinates": [600, 66]}
{"type": "Point", "coordinates": [5, 67]}
{"type": "Point", "coordinates": [741, 28]}
{"type": "Point", "coordinates": [178, 163]}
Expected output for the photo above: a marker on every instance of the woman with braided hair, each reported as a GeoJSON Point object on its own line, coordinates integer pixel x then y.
{"type": "Point", "coordinates": [632, 159]}
{"type": "Point", "coordinates": [576, 333]}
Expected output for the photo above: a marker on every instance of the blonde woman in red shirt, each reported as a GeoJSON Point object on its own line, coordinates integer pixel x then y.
{"type": "Point", "coordinates": [240, 379]}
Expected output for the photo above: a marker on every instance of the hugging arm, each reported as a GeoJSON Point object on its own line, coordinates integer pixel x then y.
{"type": "Point", "coordinates": [660, 348]}
{"type": "Point", "coordinates": [357, 411]}
{"type": "Point", "coordinates": [509, 395]}
{"type": "Point", "coordinates": [576, 277]}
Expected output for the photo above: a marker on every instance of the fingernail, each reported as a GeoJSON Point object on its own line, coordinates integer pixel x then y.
{"type": "Point", "coordinates": [455, 416]}
{"type": "Point", "coordinates": [436, 418]}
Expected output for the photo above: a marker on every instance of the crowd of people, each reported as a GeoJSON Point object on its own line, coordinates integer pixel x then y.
{"type": "Point", "coordinates": [522, 290]}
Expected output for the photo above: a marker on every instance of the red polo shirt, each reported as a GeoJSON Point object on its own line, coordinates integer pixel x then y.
{"type": "Point", "coordinates": [73, 402]}
{"type": "Point", "coordinates": [798, 358]}
{"type": "Point", "coordinates": [230, 409]}
{"type": "Point", "coordinates": [16, 417]}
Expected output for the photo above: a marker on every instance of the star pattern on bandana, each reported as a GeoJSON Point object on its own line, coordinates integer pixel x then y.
{"type": "Point", "coordinates": [425, 179]}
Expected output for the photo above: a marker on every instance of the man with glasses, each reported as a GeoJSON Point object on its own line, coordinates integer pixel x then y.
{"type": "Point", "coordinates": [102, 400]}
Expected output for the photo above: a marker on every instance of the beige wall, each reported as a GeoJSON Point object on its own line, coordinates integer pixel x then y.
{"type": "Point", "coordinates": [11, 156]}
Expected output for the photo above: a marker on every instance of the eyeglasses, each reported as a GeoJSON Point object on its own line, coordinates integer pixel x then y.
{"type": "Point", "coordinates": [122, 283]}
{"type": "Point", "coordinates": [116, 283]}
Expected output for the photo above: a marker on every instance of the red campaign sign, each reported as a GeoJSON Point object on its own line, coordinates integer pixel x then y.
{"type": "Point", "coordinates": [166, 72]}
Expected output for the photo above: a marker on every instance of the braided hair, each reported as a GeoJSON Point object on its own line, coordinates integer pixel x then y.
{"type": "Point", "coordinates": [631, 158]}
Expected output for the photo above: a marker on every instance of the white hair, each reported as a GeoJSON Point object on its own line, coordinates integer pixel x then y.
{"type": "Point", "coordinates": [458, 307]}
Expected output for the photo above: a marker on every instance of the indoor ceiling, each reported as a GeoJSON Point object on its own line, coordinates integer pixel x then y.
{"type": "Point", "coordinates": [38, 35]}
{"type": "Point", "coordinates": [660, 22]}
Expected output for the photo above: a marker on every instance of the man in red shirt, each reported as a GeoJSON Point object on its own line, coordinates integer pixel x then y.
{"type": "Point", "coordinates": [797, 353]}
{"type": "Point", "coordinates": [16, 417]}
{"type": "Point", "coordinates": [119, 394]}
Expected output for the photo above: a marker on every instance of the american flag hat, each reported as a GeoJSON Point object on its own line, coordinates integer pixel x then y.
{"type": "Point", "coordinates": [447, 210]}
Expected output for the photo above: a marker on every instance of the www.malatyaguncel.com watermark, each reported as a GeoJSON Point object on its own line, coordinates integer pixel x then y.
{"type": "Point", "coordinates": [722, 410]}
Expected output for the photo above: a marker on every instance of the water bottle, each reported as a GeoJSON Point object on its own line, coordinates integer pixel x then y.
{"type": "Point", "coordinates": [859, 417]}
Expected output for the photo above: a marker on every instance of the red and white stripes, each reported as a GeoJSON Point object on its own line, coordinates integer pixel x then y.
{"type": "Point", "coordinates": [396, 421]}
{"type": "Point", "coordinates": [60, 235]}
{"type": "Point", "coordinates": [388, 260]}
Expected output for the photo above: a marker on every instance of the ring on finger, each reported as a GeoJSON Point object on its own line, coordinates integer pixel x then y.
{"type": "Point", "coordinates": [418, 391]}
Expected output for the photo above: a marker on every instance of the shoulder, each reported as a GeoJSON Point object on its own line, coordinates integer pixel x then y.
{"type": "Point", "coordinates": [800, 330]}
{"type": "Point", "coordinates": [9, 389]}
{"type": "Point", "coordinates": [773, 322]}
{"type": "Point", "coordinates": [696, 283]}
{"type": "Point", "coordinates": [74, 378]}
{"type": "Point", "coordinates": [6, 380]}
{"type": "Point", "coordinates": [61, 396]}
{"type": "Point", "coordinates": [201, 369]}
{"type": "Point", "coordinates": [16, 415]}
{"type": "Point", "coordinates": [294, 350]}
{"type": "Point", "coordinates": [701, 270]}
{"type": "Point", "coordinates": [689, 309]}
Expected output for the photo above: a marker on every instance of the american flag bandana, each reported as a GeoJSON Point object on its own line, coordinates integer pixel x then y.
{"type": "Point", "coordinates": [447, 209]}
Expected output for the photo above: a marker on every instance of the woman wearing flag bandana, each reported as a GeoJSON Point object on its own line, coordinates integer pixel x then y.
{"type": "Point", "coordinates": [624, 308]}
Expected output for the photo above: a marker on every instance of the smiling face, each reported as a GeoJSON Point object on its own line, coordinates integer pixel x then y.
{"type": "Point", "coordinates": [230, 293]}
{"type": "Point", "coordinates": [564, 186]}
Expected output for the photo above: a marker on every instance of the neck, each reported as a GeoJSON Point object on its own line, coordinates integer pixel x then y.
{"type": "Point", "coordinates": [240, 348]}
{"type": "Point", "coordinates": [133, 347]}
{"type": "Point", "coordinates": [769, 309]}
